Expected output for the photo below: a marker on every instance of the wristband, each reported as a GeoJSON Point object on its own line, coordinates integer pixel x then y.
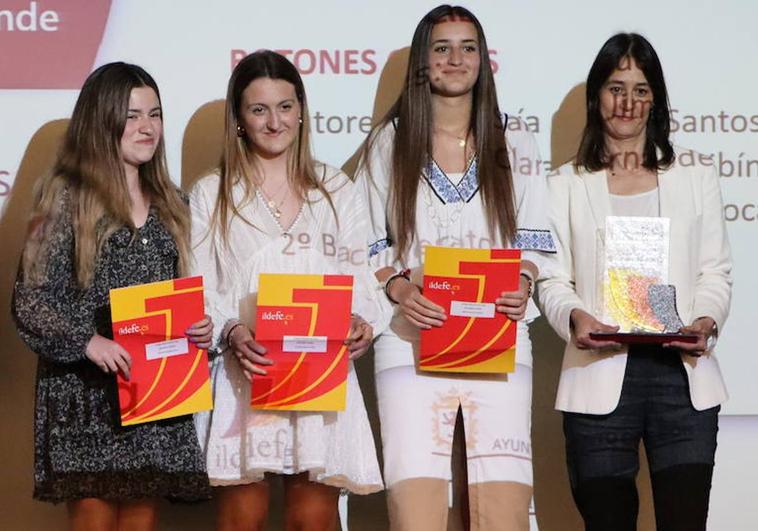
{"type": "Point", "coordinates": [528, 276]}
{"type": "Point", "coordinates": [405, 273]}
{"type": "Point", "coordinates": [231, 329]}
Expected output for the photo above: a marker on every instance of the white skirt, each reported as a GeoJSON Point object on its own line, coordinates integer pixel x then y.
{"type": "Point", "coordinates": [242, 444]}
{"type": "Point", "coordinates": [418, 409]}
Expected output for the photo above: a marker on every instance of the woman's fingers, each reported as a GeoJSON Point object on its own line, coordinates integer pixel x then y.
{"type": "Point", "coordinates": [253, 366]}
{"type": "Point", "coordinates": [200, 328]}
{"type": "Point", "coordinates": [423, 311]}
{"type": "Point", "coordinates": [355, 354]}
{"type": "Point", "coordinates": [248, 351]}
{"type": "Point", "coordinates": [254, 346]}
{"type": "Point", "coordinates": [585, 325]}
{"type": "Point", "coordinates": [420, 319]}
{"type": "Point", "coordinates": [201, 333]}
{"type": "Point", "coordinates": [428, 306]}
{"type": "Point", "coordinates": [695, 349]}
{"type": "Point", "coordinates": [123, 363]}
{"type": "Point", "coordinates": [586, 343]}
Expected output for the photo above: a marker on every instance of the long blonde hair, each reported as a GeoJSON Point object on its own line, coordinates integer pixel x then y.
{"type": "Point", "coordinates": [88, 182]}
{"type": "Point", "coordinates": [236, 162]}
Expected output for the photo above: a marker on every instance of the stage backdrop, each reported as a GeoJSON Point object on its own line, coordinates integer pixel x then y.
{"type": "Point", "coordinates": [352, 56]}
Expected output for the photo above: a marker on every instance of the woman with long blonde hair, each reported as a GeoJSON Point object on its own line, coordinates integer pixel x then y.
{"type": "Point", "coordinates": [270, 208]}
{"type": "Point", "coordinates": [107, 216]}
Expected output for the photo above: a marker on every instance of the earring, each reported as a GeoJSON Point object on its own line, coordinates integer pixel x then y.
{"type": "Point", "coordinates": [240, 131]}
{"type": "Point", "coordinates": [300, 119]}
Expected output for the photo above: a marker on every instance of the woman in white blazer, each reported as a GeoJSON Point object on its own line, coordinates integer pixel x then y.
{"type": "Point", "coordinates": [615, 395]}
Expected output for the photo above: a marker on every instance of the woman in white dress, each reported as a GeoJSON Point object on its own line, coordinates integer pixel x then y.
{"type": "Point", "coordinates": [439, 170]}
{"type": "Point", "coordinates": [270, 208]}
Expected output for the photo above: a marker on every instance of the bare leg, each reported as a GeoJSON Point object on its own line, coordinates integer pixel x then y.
{"type": "Point", "coordinates": [309, 506]}
{"type": "Point", "coordinates": [92, 514]}
{"type": "Point", "coordinates": [499, 505]}
{"type": "Point", "coordinates": [138, 515]}
{"type": "Point", "coordinates": [242, 507]}
{"type": "Point", "coordinates": [418, 504]}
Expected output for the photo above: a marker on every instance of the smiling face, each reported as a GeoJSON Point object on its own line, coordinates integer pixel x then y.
{"type": "Point", "coordinates": [143, 129]}
{"type": "Point", "coordinates": [453, 57]}
{"type": "Point", "coordinates": [270, 112]}
{"type": "Point", "coordinates": [625, 101]}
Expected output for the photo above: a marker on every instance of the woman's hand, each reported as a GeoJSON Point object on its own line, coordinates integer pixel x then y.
{"type": "Point", "coordinates": [703, 328]}
{"type": "Point", "coordinates": [419, 310]}
{"type": "Point", "coordinates": [249, 353]}
{"type": "Point", "coordinates": [583, 324]}
{"type": "Point", "coordinates": [201, 333]}
{"type": "Point", "coordinates": [513, 303]}
{"type": "Point", "coordinates": [361, 335]}
{"type": "Point", "coordinates": [109, 356]}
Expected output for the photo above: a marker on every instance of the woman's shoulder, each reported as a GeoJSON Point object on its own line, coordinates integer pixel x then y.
{"type": "Point", "coordinates": [206, 185]}
{"type": "Point", "coordinates": [692, 162]}
{"type": "Point", "coordinates": [334, 180]}
{"type": "Point", "coordinates": [517, 133]}
{"type": "Point", "coordinates": [382, 136]}
{"type": "Point", "coordinates": [567, 171]}
{"type": "Point", "coordinates": [209, 181]}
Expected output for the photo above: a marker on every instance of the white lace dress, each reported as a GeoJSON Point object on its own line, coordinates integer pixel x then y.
{"type": "Point", "coordinates": [240, 444]}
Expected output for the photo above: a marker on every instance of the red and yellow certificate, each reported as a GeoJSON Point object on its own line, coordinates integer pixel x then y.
{"type": "Point", "coordinates": [303, 321]}
{"type": "Point", "coordinates": [169, 375]}
{"type": "Point", "coordinates": [465, 282]}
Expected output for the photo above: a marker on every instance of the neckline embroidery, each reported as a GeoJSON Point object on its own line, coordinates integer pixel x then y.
{"type": "Point", "coordinates": [445, 189]}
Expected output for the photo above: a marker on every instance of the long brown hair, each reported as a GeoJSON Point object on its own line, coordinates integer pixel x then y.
{"type": "Point", "coordinates": [237, 164]}
{"type": "Point", "coordinates": [89, 172]}
{"type": "Point", "coordinates": [412, 117]}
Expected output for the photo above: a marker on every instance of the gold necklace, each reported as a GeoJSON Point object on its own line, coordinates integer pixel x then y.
{"type": "Point", "coordinates": [461, 139]}
{"type": "Point", "coordinates": [271, 203]}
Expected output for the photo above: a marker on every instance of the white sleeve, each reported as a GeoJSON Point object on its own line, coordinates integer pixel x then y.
{"type": "Point", "coordinates": [533, 235]}
{"type": "Point", "coordinates": [373, 179]}
{"type": "Point", "coordinates": [557, 293]}
{"type": "Point", "coordinates": [368, 300]}
{"type": "Point", "coordinates": [713, 285]}
{"type": "Point", "coordinates": [211, 263]}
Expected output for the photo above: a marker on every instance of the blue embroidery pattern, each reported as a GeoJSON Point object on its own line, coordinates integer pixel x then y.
{"type": "Point", "coordinates": [379, 246]}
{"type": "Point", "coordinates": [534, 240]}
{"type": "Point", "coordinates": [445, 190]}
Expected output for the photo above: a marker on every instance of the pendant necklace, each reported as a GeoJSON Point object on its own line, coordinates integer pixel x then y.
{"type": "Point", "coordinates": [461, 139]}
{"type": "Point", "coordinates": [274, 206]}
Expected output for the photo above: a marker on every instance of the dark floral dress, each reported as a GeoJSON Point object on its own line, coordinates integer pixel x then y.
{"type": "Point", "coordinates": [80, 448]}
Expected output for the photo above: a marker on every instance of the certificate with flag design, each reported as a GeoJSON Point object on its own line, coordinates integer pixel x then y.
{"type": "Point", "coordinates": [169, 375]}
{"type": "Point", "coordinates": [465, 282]}
{"type": "Point", "coordinates": [303, 321]}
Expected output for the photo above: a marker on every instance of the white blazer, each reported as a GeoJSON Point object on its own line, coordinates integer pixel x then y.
{"type": "Point", "coordinates": [699, 266]}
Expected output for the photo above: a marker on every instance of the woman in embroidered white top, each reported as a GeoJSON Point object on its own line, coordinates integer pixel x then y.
{"type": "Point", "coordinates": [271, 209]}
{"type": "Point", "coordinates": [439, 170]}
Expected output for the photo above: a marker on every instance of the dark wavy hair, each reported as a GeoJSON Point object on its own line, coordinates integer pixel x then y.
{"type": "Point", "coordinates": [592, 154]}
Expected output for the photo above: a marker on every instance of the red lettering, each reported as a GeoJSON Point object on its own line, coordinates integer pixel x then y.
{"type": "Point", "coordinates": [285, 53]}
{"type": "Point", "coordinates": [368, 61]}
{"type": "Point", "coordinates": [237, 56]}
{"type": "Point", "coordinates": [495, 66]}
{"type": "Point", "coordinates": [310, 61]}
{"type": "Point", "coordinates": [332, 60]}
{"type": "Point", "coordinates": [351, 61]}
{"type": "Point", "coordinates": [299, 63]}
